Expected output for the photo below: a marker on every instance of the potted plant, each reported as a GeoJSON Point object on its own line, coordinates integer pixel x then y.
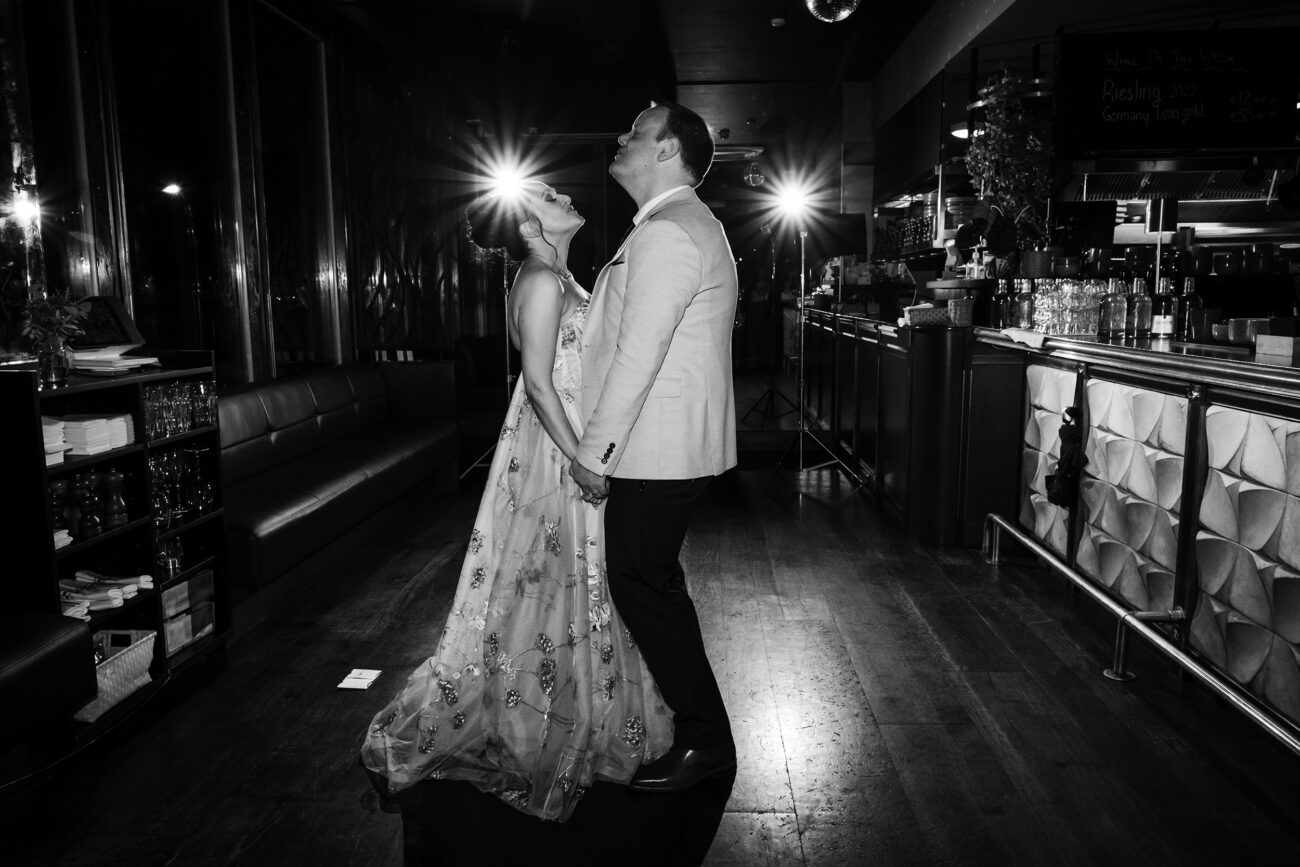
{"type": "Point", "coordinates": [1009, 161]}
{"type": "Point", "coordinates": [50, 318]}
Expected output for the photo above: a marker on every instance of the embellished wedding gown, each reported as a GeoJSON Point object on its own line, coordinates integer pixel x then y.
{"type": "Point", "coordinates": [536, 688]}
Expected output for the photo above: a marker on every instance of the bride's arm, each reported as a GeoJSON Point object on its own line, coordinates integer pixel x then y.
{"type": "Point", "coordinates": [536, 308]}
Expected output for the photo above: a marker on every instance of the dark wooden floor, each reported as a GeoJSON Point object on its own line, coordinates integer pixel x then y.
{"type": "Point", "coordinates": [893, 704]}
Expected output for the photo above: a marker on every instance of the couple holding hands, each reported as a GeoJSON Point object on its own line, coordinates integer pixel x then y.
{"type": "Point", "coordinates": [572, 652]}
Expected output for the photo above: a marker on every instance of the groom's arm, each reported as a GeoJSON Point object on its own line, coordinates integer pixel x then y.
{"type": "Point", "coordinates": [664, 274]}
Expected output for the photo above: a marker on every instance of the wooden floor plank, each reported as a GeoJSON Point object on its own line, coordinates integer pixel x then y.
{"type": "Point", "coordinates": [756, 840]}
{"type": "Point", "coordinates": [893, 703]}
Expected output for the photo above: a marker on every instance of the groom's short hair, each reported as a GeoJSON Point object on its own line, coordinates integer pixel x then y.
{"type": "Point", "coordinates": [692, 133]}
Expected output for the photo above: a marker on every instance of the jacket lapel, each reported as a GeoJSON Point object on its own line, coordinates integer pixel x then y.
{"type": "Point", "coordinates": [631, 233]}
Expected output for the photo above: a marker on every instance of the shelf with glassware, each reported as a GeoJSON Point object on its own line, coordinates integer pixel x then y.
{"type": "Point", "coordinates": [188, 537]}
{"type": "Point", "coordinates": [119, 523]}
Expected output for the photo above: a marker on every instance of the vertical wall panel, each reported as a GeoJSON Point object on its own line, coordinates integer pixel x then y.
{"type": "Point", "coordinates": [1131, 490]}
{"type": "Point", "coordinates": [1247, 621]}
{"type": "Point", "coordinates": [1050, 391]}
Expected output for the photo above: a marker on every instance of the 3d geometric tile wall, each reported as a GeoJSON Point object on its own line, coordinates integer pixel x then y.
{"type": "Point", "coordinates": [1247, 619]}
{"type": "Point", "coordinates": [1050, 391]}
{"type": "Point", "coordinates": [1131, 491]}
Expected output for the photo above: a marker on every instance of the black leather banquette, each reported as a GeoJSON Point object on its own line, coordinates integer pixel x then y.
{"type": "Point", "coordinates": [307, 458]}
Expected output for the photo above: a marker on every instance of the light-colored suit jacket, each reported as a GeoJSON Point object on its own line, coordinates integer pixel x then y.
{"type": "Point", "coordinates": [656, 355]}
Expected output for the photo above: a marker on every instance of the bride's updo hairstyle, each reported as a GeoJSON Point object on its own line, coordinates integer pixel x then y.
{"type": "Point", "coordinates": [495, 222]}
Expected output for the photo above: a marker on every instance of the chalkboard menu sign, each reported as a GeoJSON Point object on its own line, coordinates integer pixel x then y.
{"type": "Point", "coordinates": [1176, 93]}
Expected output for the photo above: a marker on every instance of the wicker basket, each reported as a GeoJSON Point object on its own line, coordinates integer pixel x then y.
{"type": "Point", "coordinates": [918, 316]}
{"type": "Point", "coordinates": [123, 671]}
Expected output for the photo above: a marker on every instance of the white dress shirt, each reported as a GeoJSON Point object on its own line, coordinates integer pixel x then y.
{"type": "Point", "coordinates": [650, 205]}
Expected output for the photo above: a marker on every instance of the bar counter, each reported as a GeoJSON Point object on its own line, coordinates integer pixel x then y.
{"type": "Point", "coordinates": [1190, 494]}
{"type": "Point", "coordinates": [1225, 366]}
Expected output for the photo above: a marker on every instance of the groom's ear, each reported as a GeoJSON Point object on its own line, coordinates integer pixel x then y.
{"type": "Point", "coordinates": [668, 148]}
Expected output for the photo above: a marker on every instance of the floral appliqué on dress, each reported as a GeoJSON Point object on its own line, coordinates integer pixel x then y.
{"type": "Point", "coordinates": [533, 664]}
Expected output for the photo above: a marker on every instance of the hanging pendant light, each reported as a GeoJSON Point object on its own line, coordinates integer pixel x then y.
{"type": "Point", "coordinates": [831, 11]}
{"type": "Point", "coordinates": [754, 176]}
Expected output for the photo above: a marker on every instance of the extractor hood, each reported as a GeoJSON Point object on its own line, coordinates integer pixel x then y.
{"type": "Point", "coordinates": [1195, 185]}
{"type": "Point", "coordinates": [1227, 204]}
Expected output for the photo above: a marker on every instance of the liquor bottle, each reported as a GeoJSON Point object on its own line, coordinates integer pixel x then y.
{"type": "Point", "coordinates": [1024, 304]}
{"type": "Point", "coordinates": [1139, 304]}
{"type": "Point", "coordinates": [1004, 308]}
{"type": "Point", "coordinates": [1164, 311]}
{"type": "Point", "coordinates": [1113, 310]}
{"type": "Point", "coordinates": [1188, 303]}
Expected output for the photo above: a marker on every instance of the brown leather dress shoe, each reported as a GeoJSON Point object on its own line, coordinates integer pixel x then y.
{"type": "Point", "coordinates": [680, 768]}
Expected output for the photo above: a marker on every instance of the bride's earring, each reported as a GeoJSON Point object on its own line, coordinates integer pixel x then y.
{"type": "Point", "coordinates": [530, 229]}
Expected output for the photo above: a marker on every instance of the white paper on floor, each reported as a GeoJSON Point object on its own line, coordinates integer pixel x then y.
{"type": "Point", "coordinates": [359, 678]}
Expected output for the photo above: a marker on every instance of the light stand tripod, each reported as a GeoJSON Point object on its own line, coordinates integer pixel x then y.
{"type": "Point", "coordinates": [484, 459]}
{"type": "Point", "coordinates": [765, 405]}
{"type": "Point", "coordinates": [805, 430]}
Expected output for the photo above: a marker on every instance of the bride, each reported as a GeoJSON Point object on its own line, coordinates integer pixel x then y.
{"type": "Point", "coordinates": [535, 689]}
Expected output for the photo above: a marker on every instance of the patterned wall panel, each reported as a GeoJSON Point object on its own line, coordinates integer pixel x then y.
{"type": "Point", "coordinates": [1247, 619]}
{"type": "Point", "coordinates": [1050, 391]}
{"type": "Point", "coordinates": [1132, 492]}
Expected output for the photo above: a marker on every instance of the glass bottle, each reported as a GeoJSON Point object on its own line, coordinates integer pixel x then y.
{"type": "Point", "coordinates": [1112, 311]}
{"type": "Point", "coordinates": [1138, 319]}
{"type": "Point", "coordinates": [1188, 303]}
{"type": "Point", "coordinates": [1004, 309]}
{"type": "Point", "coordinates": [1164, 310]}
{"type": "Point", "coordinates": [1024, 304]}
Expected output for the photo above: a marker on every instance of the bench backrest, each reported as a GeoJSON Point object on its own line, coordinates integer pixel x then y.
{"type": "Point", "coordinates": [272, 423]}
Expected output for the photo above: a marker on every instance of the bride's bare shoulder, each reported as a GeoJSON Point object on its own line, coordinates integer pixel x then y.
{"type": "Point", "coordinates": [534, 287]}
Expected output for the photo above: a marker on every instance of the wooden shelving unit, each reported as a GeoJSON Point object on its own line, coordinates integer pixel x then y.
{"type": "Point", "coordinates": [128, 550]}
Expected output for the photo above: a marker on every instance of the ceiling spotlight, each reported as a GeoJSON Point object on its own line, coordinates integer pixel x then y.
{"type": "Point", "coordinates": [831, 11]}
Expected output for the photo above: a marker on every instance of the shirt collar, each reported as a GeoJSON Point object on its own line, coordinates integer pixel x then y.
{"type": "Point", "coordinates": [653, 203]}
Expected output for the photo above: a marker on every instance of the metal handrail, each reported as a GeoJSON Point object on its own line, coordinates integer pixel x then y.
{"type": "Point", "coordinates": [995, 525]}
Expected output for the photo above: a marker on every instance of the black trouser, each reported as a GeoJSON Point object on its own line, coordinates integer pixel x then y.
{"type": "Point", "coordinates": [645, 525]}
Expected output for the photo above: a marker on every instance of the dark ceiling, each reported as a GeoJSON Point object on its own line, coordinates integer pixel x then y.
{"type": "Point", "coordinates": [583, 55]}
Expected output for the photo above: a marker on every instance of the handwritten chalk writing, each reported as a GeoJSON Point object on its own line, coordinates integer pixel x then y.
{"type": "Point", "coordinates": [1163, 91]}
{"type": "Point", "coordinates": [1111, 115]}
{"type": "Point", "coordinates": [1112, 91]}
{"type": "Point", "coordinates": [1248, 98]}
{"type": "Point", "coordinates": [1120, 60]}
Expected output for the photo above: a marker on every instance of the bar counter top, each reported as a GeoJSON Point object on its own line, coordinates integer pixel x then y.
{"type": "Point", "coordinates": [1186, 491]}
{"type": "Point", "coordinates": [1218, 366]}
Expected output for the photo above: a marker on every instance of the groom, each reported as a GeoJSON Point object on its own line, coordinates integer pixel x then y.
{"type": "Point", "coordinates": [661, 420]}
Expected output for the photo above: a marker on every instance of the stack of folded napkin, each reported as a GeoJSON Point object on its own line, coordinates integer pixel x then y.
{"type": "Point", "coordinates": [89, 435]}
{"type": "Point", "coordinates": [79, 610]}
{"type": "Point", "coordinates": [121, 430]}
{"type": "Point", "coordinates": [90, 591]}
{"type": "Point", "coordinates": [129, 585]}
{"type": "Point", "coordinates": [52, 433]}
{"type": "Point", "coordinates": [95, 598]}
{"type": "Point", "coordinates": [61, 539]}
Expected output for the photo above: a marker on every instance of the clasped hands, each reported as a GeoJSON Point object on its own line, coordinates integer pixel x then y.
{"type": "Point", "coordinates": [595, 487]}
